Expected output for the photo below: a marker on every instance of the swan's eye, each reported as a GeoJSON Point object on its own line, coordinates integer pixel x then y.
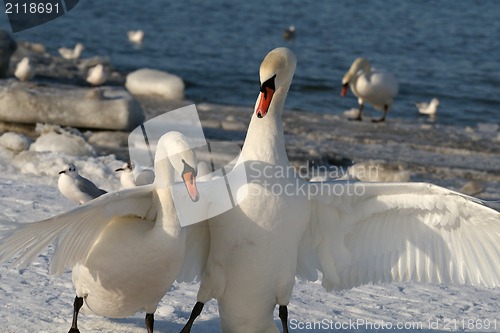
{"type": "Point", "coordinates": [268, 84]}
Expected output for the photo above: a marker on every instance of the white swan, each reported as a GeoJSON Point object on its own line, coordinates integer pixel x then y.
{"type": "Point", "coordinates": [25, 71]}
{"type": "Point", "coordinates": [71, 54]}
{"type": "Point", "coordinates": [352, 232]}
{"type": "Point", "coordinates": [428, 108]}
{"type": "Point", "coordinates": [370, 85]}
{"type": "Point", "coordinates": [126, 248]}
{"type": "Point", "coordinates": [135, 36]}
{"type": "Point", "coordinates": [97, 75]}
{"type": "Point", "coordinates": [127, 177]}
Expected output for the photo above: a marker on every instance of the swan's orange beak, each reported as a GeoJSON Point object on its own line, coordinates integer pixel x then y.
{"type": "Point", "coordinates": [266, 96]}
{"type": "Point", "coordinates": [344, 89]}
{"type": "Point", "coordinates": [190, 180]}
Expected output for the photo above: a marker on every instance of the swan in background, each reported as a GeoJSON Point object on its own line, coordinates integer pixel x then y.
{"type": "Point", "coordinates": [370, 85]}
{"type": "Point", "coordinates": [71, 54]}
{"type": "Point", "coordinates": [354, 233]}
{"type": "Point", "coordinates": [128, 180]}
{"type": "Point", "coordinates": [75, 187]}
{"type": "Point", "coordinates": [135, 36]}
{"type": "Point", "coordinates": [97, 75]}
{"type": "Point", "coordinates": [126, 248]}
{"type": "Point", "coordinates": [428, 108]}
{"type": "Point", "coordinates": [25, 71]}
{"type": "Point", "coordinates": [289, 33]}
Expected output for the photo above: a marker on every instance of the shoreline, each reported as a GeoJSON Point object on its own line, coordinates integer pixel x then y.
{"type": "Point", "coordinates": [448, 155]}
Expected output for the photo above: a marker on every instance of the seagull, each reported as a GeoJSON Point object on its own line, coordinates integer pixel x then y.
{"type": "Point", "coordinates": [370, 85]}
{"type": "Point", "coordinates": [71, 54]}
{"type": "Point", "coordinates": [135, 36]}
{"type": "Point", "coordinates": [289, 33]}
{"type": "Point", "coordinates": [428, 108]}
{"type": "Point", "coordinates": [24, 70]}
{"type": "Point", "coordinates": [352, 232]}
{"type": "Point", "coordinates": [97, 75]}
{"type": "Point", "coordinates": [127, 247]}
{"type": "Point", "coordinates": [75, 187]}
{"type": "Point", "coordinates": [128, 180]}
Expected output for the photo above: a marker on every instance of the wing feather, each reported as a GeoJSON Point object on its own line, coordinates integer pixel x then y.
{"type": "Point", "coordinates": [372, 232]}
{"type": "Point", "coordinates": [74, 232]}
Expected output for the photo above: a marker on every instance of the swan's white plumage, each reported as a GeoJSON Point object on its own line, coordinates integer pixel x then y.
{"type": "Point", "coordinates": [75, 231]}
{"type": "Point", "coordinates": [371, 85]}
{"type": "Point", "coordinates": [379, 233]}
{"type": "Point", "coordinates": [399, 232]}
{"type": "Point", "coordinates": [126, 248]}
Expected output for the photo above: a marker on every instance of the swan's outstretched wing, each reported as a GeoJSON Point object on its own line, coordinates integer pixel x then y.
{"type": "Point", "coordinates": [74, 232]}
{"type": "Point", "coordinates": [369, 233]}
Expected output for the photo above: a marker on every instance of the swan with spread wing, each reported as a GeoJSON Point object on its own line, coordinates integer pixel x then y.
{"type": "Point", "coordinates": [126, 248]}
{"type": "Point", "coordinates": [352, 232]}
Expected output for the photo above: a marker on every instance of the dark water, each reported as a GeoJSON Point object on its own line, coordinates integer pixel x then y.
{"type": "Point", "coordinates": [446, 49]}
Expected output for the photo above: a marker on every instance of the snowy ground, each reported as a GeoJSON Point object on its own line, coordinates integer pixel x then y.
{"type": "Point", "coordinates": [33, 301]}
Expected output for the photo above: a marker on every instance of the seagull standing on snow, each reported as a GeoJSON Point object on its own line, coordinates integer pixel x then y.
{"type": "Point", "coordinates": [128, 180]}
{"type": "Point", "coordinates": [428, 108]}
{"type": "Point", "coordinates": [374, 86]}
{"type": "Point", "coordinates": [71, 54]}
{"type": "Point", "coordinates": [96, 75]}
{"type": "Point", "coordinates": [75, 187]}
{"type": "Point", "coordinates": [135, 36]}
{"type": "Point", "coordinates": [24, 70]}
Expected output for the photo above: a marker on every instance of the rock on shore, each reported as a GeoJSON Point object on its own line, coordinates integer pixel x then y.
{"type": "Point", "coordinates": [105, 108]}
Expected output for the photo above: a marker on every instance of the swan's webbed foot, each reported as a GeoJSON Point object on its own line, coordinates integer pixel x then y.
{"type": "Point", "coordinates": [381, 120]}
{"type": "Point", "coordinates": [359, 116]}
{"type": "Point", "coordinates": [198, 307]}
{"type": "Point", "coordinates": [77, 304]}
{"type": "Point", "coordinates": [283, 313]}
{"type": "Point", "coordinates": [150, 322]}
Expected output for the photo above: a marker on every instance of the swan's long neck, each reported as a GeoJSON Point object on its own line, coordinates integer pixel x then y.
{"type": "Point", "coordinates": [164, 179]}
{"type": "Point", "coordinates": [265, 141]}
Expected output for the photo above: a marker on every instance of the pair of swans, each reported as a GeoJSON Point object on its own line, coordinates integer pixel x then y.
{"type": "Point", "coordinates": [248, 257]}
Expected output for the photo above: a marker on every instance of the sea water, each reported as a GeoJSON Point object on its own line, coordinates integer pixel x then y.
{"type": "Point", "coordinates": [445, 49]}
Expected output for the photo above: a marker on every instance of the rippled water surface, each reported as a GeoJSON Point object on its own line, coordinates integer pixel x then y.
{"type": "Point", "coordinates": [445, 49]}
